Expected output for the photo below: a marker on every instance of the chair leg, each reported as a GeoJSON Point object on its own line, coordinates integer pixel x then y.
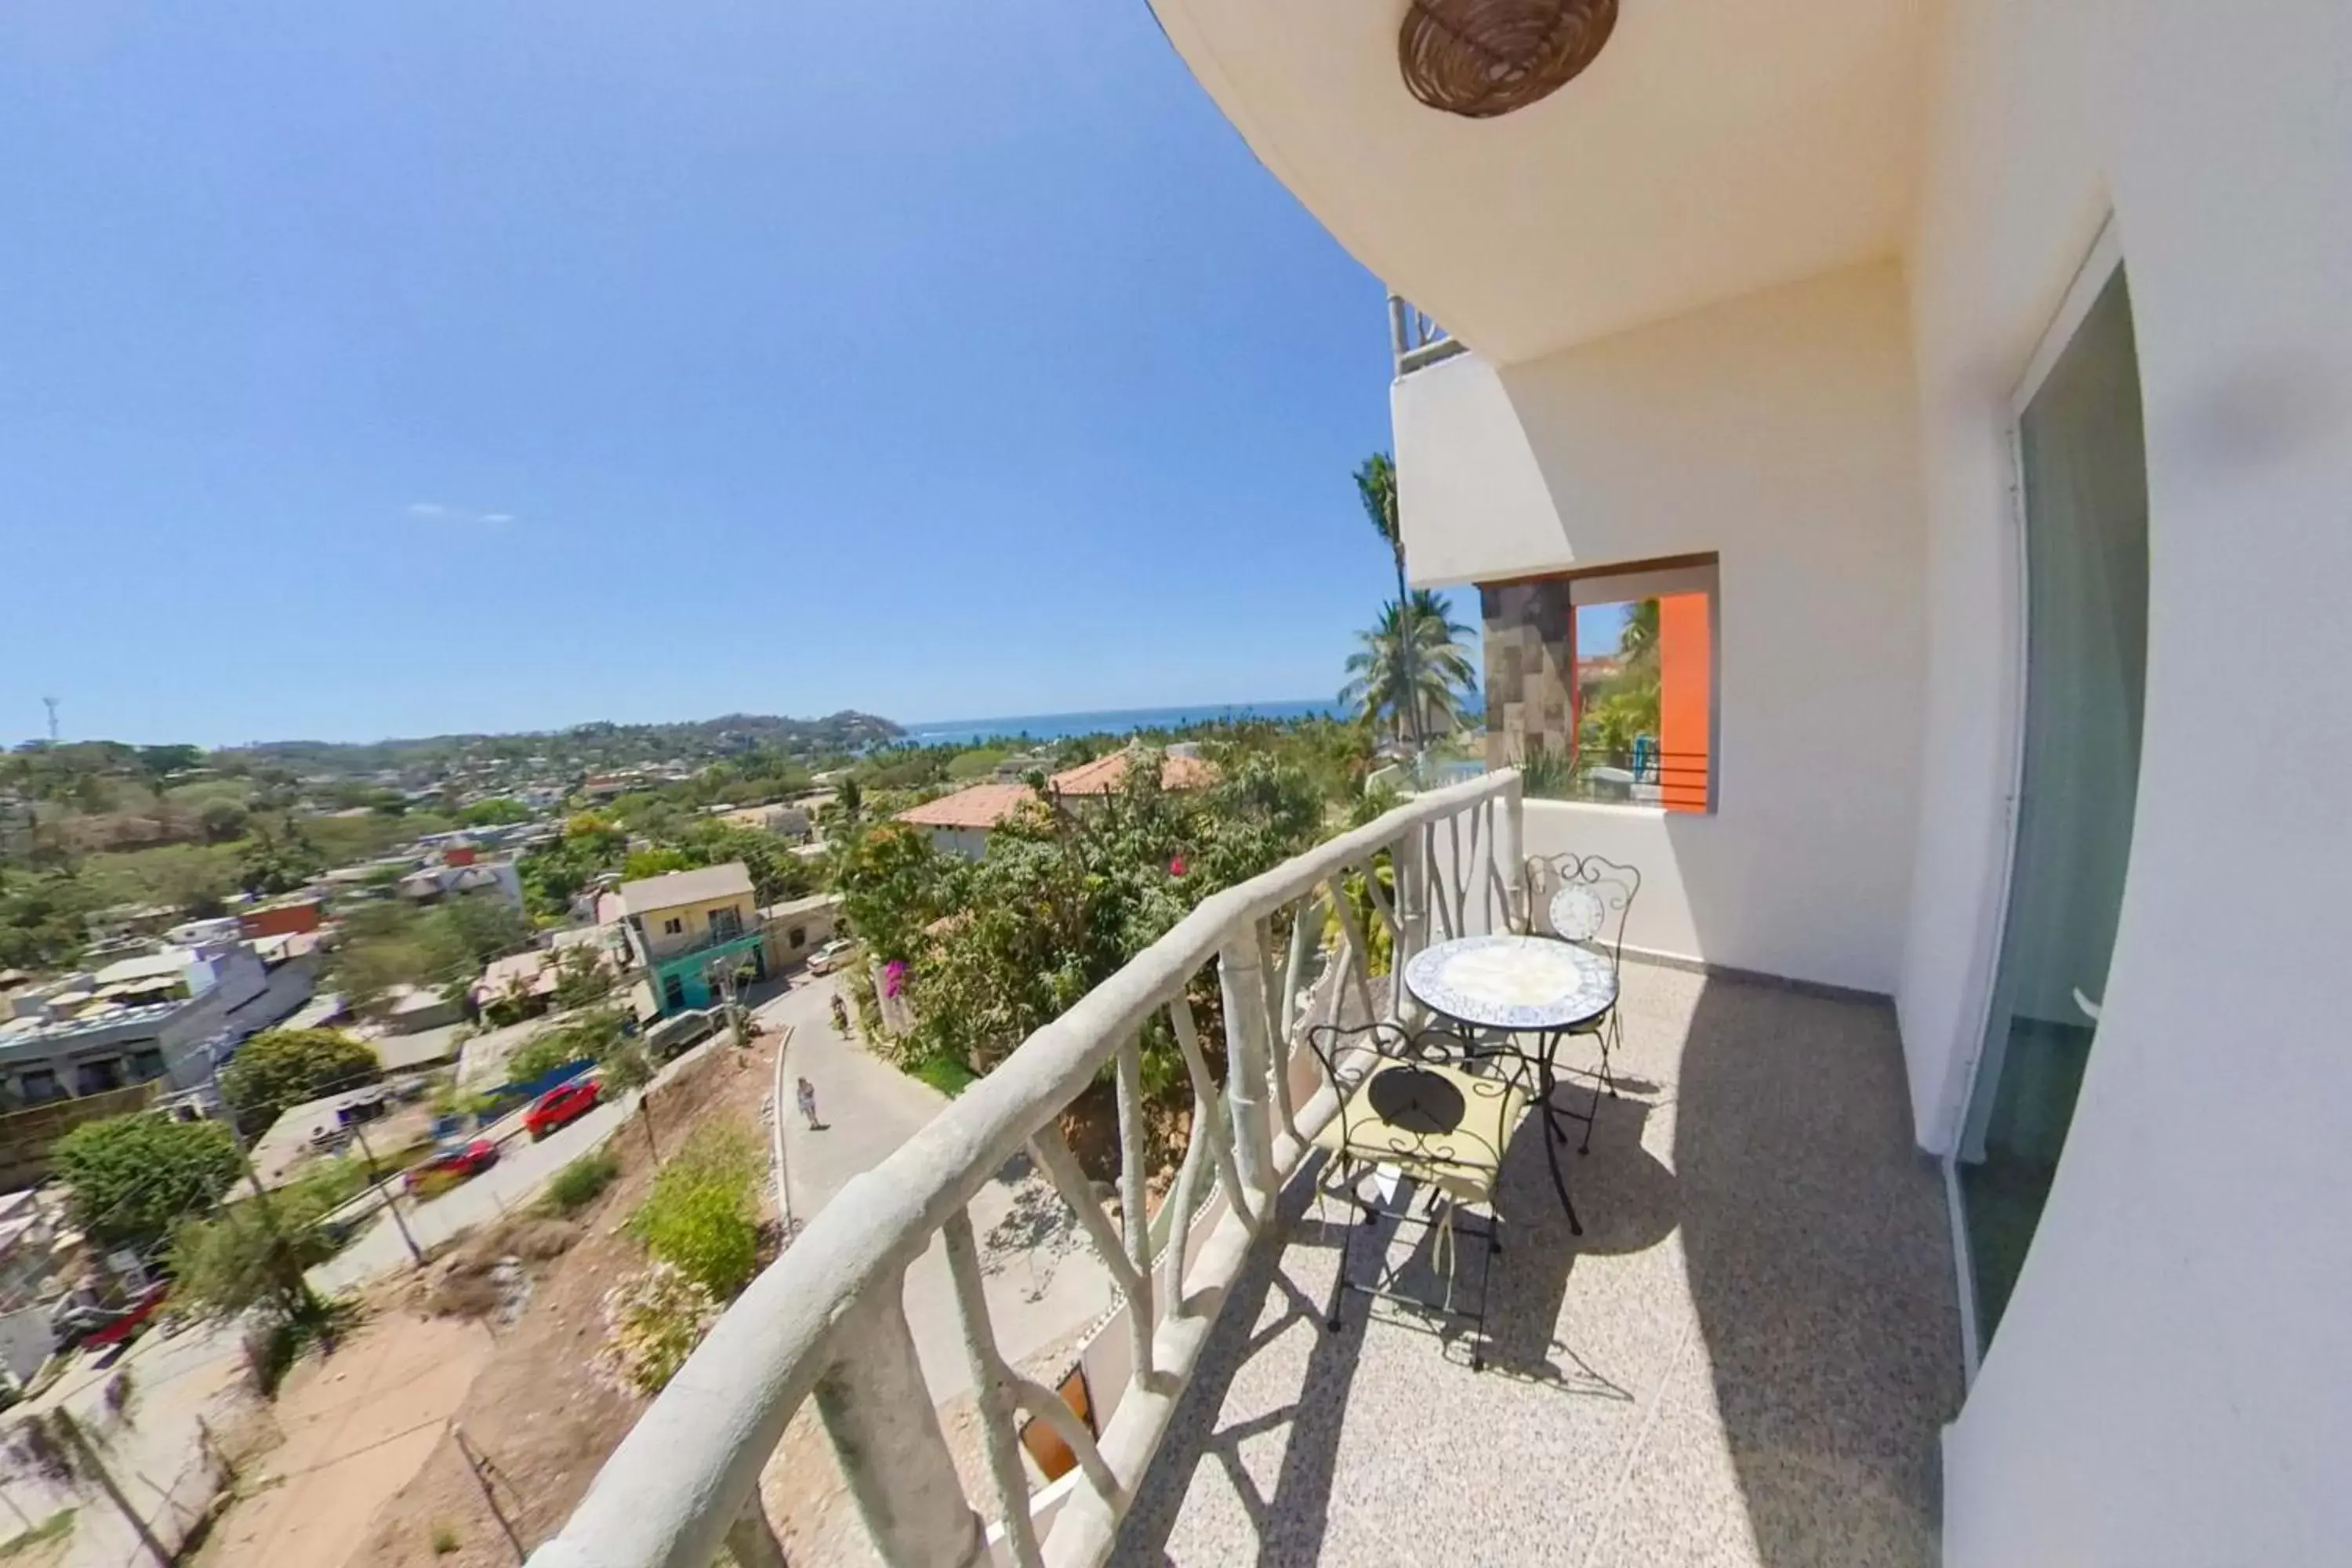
{"type": "Point", "coordinates": [1340, 1280]}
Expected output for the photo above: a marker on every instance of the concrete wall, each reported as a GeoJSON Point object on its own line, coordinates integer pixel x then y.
{"type": "Point", "coordinates": [662, 945]}
{"type": "Point", "coordinates": [2168, 1386]}
{"type": "Point", "coordinates": [1777, 431]}
{"type": "Point", "coordinates": [965, 843]}
{"type": "Point", "coordinates": [25, 1342]}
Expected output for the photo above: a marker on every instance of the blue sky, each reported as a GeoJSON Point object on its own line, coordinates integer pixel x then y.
{"type": "Point", "coordinates": [395, 369]}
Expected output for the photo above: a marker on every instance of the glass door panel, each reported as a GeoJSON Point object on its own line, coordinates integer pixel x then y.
{"type": "Point", "coordinates": [2084, 468]}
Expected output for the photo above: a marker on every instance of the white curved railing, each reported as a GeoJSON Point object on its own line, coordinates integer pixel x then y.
{"type": "Point", "coordinates": [828, 1320]}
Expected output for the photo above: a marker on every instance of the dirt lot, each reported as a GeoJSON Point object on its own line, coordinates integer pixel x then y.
{"type": "Point", "coordinates": [538, 1415]}
{"type": "Point", "coordinates": [355, 1425]}
{"type": "Point", "coordinates": [373, 1475]}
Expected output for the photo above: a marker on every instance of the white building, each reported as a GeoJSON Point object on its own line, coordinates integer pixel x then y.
{"type": "Point", "coordinates": [1863, 312]}
{"type": "Point", "coordinates": [1971, 384]}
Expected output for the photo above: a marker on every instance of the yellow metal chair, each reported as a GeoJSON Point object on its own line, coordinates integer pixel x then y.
{"type": "Point", "coordinates": [1410, 1102]}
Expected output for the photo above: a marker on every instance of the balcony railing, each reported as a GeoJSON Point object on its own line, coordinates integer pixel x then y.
{"type": "Point", "coordinates": [1639, 776]}
{"type": "Point", "coordinates": [702, 943]}
{"type": "Point", "coordinates": [1415, 339]}
{"type": "Point", "coordinates": [828, 1319]}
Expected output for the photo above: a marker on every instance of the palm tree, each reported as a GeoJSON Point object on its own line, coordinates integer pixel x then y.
{"type": "Point", "coordinates": [1411, 668]}
{"type": "Point", "coordinates": [1637, 644]}
{"type": "Point", "coordinates": [1376, 487]}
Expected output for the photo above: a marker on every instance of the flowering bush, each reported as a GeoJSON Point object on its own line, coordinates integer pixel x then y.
{"type": "Point", "coordinates": [652, 1321]}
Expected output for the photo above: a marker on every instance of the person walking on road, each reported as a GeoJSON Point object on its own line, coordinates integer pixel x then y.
{"type": "Point", "coordinates": [840, 1017]}
{"type": "Point", "coordinates": [807, 1096]}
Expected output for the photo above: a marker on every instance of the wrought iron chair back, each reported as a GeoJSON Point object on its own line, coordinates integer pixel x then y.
{"type": "Point", "coordinates": [1603, 890]}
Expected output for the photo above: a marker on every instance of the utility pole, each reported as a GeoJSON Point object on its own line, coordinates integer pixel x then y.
{"type": "Point", "coordinates": [391, 1201]}
{"type": "Point", "coordinates": [51, 703]}
{"type": "Point", "coordinates": [301, 1304]}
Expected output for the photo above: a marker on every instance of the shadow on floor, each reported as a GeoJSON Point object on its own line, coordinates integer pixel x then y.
{"type": "Point", "coordinates": [1820, 1264]}
{"type": "Point", "coordinates": [1289, 1525]}
{"type": "Point", "coordinates": [1745, 1358]}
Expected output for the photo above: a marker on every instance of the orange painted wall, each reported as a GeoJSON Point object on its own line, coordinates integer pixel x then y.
{"type": "Point", "coordinates": [1685, 702]}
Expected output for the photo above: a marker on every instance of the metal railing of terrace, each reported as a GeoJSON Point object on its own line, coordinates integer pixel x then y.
{"type": "Point", "coordinates": [1641, 776]}
{"type": "Point", "coordinates": [1415, 340]}
{"type": "Point", "coordinates": [828, 1320]}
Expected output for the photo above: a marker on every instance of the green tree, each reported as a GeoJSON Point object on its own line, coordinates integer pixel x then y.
{"type": "Point", "coordinates": [553, 876]}
{"type": "Point", "coordinates": [239, 1257]}
{"type": "Point", "coordinates": [221, 821]}
{"type": "Point", "coordinates": [892, 884]}
{"type": "Point", "coordinates": [392, 943]}
{"type": "Point", "coordinates": [658, 862]}
{"type": "Point", "coordinates": [594, 1035]}
{"type": "Point", "coordinates": [497, 811]}
{"type": "Point", "coordinates": [134, 1177]}
{"type": "Point", "coordinates": [283, 1068]}
{"type": "Point", "coordinates": [162, 762]}
{"type": "Point", "coordinates": [1411, 668]}
{"type": "Point", "coordinates": [539, 1053]}
{"type": "Point", "coordinates": [278, 858]}
{"type": "Point", "coordinates": [1060, 902]}
{"type": "Point", "coordinates": [1376, 488]}
{"type": "Point", "coordinates": [1624, 708]}
{"type": "Point", "coordinates": [480, 926]}
{"type": "Point", "coordinates": [582, 976]}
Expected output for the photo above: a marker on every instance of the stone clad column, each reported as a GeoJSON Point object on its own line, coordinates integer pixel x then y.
{"type": "Point", "coordinates": [1531, 669]}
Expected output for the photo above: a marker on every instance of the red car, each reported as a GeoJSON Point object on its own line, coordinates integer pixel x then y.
{"type": "Point", "coordinates": [561, 1106]}
{"type": "Point", "coordinates": [468, 1160]}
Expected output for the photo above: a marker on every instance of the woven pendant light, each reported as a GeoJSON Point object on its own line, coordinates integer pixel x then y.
{"type": "Point", "coordinates": [1480, 58]}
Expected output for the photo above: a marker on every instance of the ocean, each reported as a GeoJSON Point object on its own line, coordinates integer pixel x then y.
{"type": "Point", "coordinates": [1112, 721]}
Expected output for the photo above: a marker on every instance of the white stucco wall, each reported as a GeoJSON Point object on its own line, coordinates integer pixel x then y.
{"type": "Point", "coordinates": [1777, 431]}
{"type": "Point", "coordinates": [2169, 1383]}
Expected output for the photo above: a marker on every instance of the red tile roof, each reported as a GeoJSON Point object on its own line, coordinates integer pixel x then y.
{"type": "Point", "coordinates": [1105, 775]}
{"type": "Point", "coordinates": [982, 806]}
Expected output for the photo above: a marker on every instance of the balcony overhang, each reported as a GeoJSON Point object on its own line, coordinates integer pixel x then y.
{"type": "Point", "coordinates": [1715, 148]}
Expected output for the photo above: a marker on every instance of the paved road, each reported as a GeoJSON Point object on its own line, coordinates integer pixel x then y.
{"type": "Point", "coordinates": [1044, 1284]}
{"type": "Point", "coordinates": [523, 1171]}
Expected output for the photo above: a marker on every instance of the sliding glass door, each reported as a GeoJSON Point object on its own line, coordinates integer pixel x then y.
{"type": "Point", "coordinates": [2084, 476]}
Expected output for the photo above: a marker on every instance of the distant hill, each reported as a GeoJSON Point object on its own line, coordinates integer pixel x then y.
{"type": "Point", "coordinates": [583, 747]}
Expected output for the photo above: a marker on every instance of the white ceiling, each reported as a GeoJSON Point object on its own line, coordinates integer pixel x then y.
{"type": "Point", "coordinates": [1716, 147]}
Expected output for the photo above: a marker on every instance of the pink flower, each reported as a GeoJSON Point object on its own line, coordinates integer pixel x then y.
{"type": "Point", "coordinates": [894, 977]}
{"type": "Point", "coordinates": [1176, 867]}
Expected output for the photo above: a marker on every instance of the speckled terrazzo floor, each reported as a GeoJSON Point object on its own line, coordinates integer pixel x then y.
{"type": "Point", "coordinates": [1745, 1359]}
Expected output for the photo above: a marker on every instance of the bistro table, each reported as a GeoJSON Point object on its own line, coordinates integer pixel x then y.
{"type": "Point", "coordinates": [1537, 986]}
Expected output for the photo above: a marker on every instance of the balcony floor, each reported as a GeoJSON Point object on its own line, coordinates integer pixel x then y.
{"type": "Point", "coordinates": [1745, 1359]}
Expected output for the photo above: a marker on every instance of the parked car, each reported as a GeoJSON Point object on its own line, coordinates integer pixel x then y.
{"type": "Point", "coordinates": [675, 1034]}
{"type": "Point", "coordinates": [453, 1164]}
{"type": "Point", "coordinates": [77, 1322]}
{"type": "Point", "coordinates": [832, 955]}
{"type": "Point", "coordinates": [561, 1106]}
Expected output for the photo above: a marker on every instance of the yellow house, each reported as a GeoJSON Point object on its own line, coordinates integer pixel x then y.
{"type": "Point", "coordinates": [690, 928]}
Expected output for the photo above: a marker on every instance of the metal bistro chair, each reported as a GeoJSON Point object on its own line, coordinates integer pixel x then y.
{"type": "Point", "coordinates": [1408, 1100]}
{"type": "Point", "coordinates": [1584, 900]}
